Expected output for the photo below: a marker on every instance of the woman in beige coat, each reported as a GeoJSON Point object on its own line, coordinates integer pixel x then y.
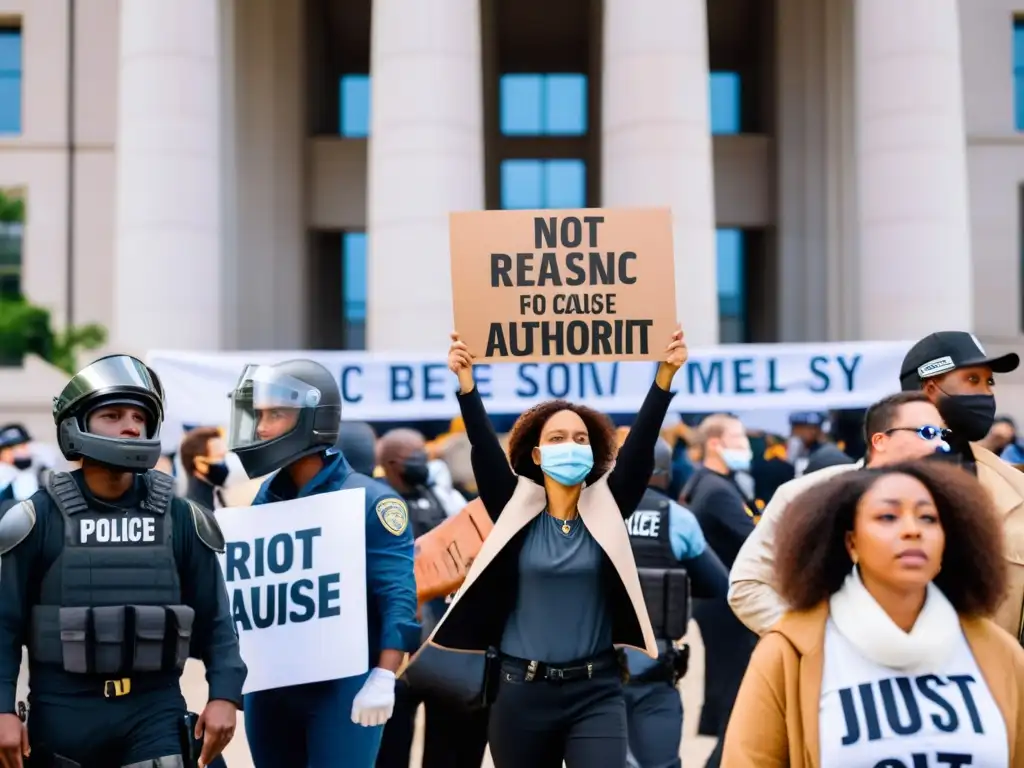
{"type": "Point", "coordinates": [554, 588]}
{"type": "Point", "coordinates": [887, 659]}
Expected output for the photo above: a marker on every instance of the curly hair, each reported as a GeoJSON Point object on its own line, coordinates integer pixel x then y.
{"type": "Point", "coordinates": [525, 436]}
{"type": "Point", "coordinates": [811, 560]}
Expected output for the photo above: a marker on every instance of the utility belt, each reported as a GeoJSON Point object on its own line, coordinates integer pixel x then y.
{"type": "Point", "coordinates": [526, 671]}
{"type": "Point", "coordinates": [670, 668]}
{"type": "Point", "coordinates": [191, 747]}
{"type": "Point", "coordinates": [112, 640]}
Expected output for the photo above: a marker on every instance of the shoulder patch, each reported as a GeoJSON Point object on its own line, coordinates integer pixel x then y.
{"type": "Point", "coordinates": [16, 523]}
{"type": "Point", "coordinates": [393, 515]}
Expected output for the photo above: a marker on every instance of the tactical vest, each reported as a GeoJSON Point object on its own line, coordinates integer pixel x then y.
{"type": "Point", "coordinates": [648, 532]}
{"type": "Point", "coordinates": [111, 602]}
{"type": "Point", "coordinates": [426, 512]}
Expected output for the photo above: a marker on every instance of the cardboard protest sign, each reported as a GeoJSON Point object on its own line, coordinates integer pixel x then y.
{"type": "Point", "coordinates": [573, 285]}
{"type": "Point", "coordinates": [296, 579]}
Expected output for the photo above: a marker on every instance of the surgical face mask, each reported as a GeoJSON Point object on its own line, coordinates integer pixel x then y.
{"type": "Point", "coordinates": [415, 470]}
{"type": "Point", "coordinates": [737, 459]}
{"type": "Point", "coordinates": [970, 417]}
{"type": "Point", "coordinates": [217, 474]}
{"type": "Point", "coordinates": [23, 462]}
{"type": "Point", "coordinates": [567, 464]}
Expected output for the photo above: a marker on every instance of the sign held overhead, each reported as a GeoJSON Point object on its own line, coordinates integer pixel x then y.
{"type": "Point", "coordinates": [571, 285]}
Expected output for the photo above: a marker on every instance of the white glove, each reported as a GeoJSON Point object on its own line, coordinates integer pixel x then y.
{"type": "Point", "coordinates": [375, 702]}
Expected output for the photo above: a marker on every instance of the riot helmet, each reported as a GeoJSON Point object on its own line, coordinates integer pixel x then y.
{"type": "Point", "coordinates": [114, 380]}
{"type": "Point", "coordinates": [282, 412]}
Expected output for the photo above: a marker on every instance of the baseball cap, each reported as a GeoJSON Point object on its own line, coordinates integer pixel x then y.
{"type": "Point", "coordinates": [807, 419]}
{"type": "Point", "coordinates": [12, 435]}
{"type": "Point", "coordinates": [945, 351]}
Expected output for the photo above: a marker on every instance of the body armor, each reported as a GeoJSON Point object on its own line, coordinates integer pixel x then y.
{"type": "Point", "coordinates": [111, 602]}
{"type": "Point", "coordinates": [426, 511]}
{"type": "Point", "coordinates": [648, 529]}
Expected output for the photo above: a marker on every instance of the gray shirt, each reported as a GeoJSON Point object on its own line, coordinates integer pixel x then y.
{"type": "Point", "coordinates": [561, 613]}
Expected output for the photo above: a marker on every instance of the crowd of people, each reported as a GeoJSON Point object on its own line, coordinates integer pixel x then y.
{"type": "Point", "coordinates": [855, 610]}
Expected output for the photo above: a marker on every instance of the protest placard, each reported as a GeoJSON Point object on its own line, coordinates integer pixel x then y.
{"type": "Point", "coordinates": [569, 285]}
{"type": "Point", "coordinates": [296, 579]}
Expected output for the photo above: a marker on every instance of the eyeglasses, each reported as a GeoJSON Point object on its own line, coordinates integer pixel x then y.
{"type": "Point", "coordinates": [925, 433]}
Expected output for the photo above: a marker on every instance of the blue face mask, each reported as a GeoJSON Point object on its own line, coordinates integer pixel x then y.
{"type": "Point", "coordinates": [567, 464]}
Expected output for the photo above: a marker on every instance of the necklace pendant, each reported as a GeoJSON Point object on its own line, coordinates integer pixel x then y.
{"type": "Point", "coordinates": [565, 528]}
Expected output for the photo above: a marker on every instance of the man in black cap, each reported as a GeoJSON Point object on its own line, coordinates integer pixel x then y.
{"type": "Point", "coordinates": [810, 449]}
{"type": "Point", "coordinates": [16, 481]}
{"type": "Point", "coordinates": [954, 371]}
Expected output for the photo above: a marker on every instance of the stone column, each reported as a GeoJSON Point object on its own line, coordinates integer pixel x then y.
{"type": "Point", "coordinates": [915, 260]}
{"type": "Point", "coordinates": [426, 159]}
{"type": "Point", "coordinates": [656, 138]}
{"type": "Point", "coordinates": [168, 228]}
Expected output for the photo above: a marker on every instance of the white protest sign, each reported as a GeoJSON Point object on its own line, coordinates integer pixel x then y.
{"type": "Point", "coordinates": [296, 580]}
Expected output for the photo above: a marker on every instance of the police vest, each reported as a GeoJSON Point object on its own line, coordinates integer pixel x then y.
{"type": "Point", "coordinates": [111, 602]}
{"type": "Point", "coordinates": [648, 532]}
{"type": "Point", "coordinates": [425, 511]}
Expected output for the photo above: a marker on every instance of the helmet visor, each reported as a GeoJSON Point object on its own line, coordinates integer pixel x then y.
{"type": "Point", "coordinates": [114, 374]}
{"type": "Point", "coordinates": [266, 404]}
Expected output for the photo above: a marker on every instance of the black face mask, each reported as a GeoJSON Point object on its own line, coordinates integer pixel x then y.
{"type": "Point", "coordinates": [217, 474]}
{"type": "Point", "coordinates": [969, 416]}
{"type": "Point", "coordinates": [23, 462]}
{"type": "Point", "coordinates": [415, 471]}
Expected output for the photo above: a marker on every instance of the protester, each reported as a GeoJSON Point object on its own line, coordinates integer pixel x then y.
{"type": "Point", "coordinates": [727, 518]}
{"type": "Point", "coordinates": [954, 371]}
{"type": "Point", "coordinates": [335, 722]}
{"type": "Point", "coordinates": [897, 428]}
{"type": "Point", "coordinates": [203, 454]}
{"type": "Point", "coordinates": [665, 536]}
{"type": "Point", "coordinates": [887, 657]}
{"type": "Point", "coordinates": [74, 584]}
{"type": "Point", "coordinates": [20, 471]}
{"type": "Point", "coordinates": [555, 587]}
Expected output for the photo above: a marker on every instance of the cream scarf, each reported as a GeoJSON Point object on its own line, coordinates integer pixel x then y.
{"type": "Point", "coordinates": [863, 622]}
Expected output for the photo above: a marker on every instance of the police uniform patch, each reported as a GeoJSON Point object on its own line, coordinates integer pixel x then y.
{"type": "Point", "coordinates": [393, 515]}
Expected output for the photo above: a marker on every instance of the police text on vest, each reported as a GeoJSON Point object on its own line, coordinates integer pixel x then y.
{"type": "Point", "coordinates": [645, 524]}
{"type": "Point", "coordinates": [117, 530]}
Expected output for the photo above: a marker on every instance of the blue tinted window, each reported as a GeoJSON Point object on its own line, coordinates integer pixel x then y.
{"type": "Point", "coordinates": [354, 106]}
{"type": "Point", "coordinates": [10, 81]}
{"type": "Point", "coordinates": [732, 286]}
{"type": "Point", "coordinates": [353, 288]}
{"type": "Point", "coordinates": [1018, 73]}
{"type": "Point", "coordinates": [725, 102]}
{"type": "Point", "coordinates": [543, 105]}
{"type": "Point", "coordinates": [543, 184]}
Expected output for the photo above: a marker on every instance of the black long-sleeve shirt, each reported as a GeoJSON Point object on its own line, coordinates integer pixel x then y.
{"type": "Point", "coordinates": [634, 464]}
{"type": "Point", "coordinates": [214, 640]}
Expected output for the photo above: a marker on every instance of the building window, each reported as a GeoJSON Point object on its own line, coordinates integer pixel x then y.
{"type": "Point", "coordinates": [353, 289]}
{"type": "Point", "coordinates": [543, 105]}
{"type": "Point", "coordinates": [543, 184]}
{"type": "Point", "coordinates": [10, 81]}
{"type": "Point", "coordinates": [354, 106]}
{"type": "Point", "coordinates": [12, 233]}
{"type": "Point", "coordinates": [1018, 73]}
{"type": "Point", "coordinates": [725, 103]}
{"type": "Point", "coordinates": [732, 285]}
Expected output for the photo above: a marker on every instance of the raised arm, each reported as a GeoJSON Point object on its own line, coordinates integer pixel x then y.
{"type": "Point", "coordinates": [495, 480]}
{"type": "Point", "coordinates": [635, 460]}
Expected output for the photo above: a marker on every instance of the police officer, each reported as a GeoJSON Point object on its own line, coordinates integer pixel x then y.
{"type": "Point", "coordinates": [112, 583]}
{"type": "Point", "coordinates": [287, 417]}
{"type": "Point", "coordinates": [665, 536]}
{"type": "Point", "coordinates": [452, 738]}
{"type": "Point", "coordinates": [18, 478]}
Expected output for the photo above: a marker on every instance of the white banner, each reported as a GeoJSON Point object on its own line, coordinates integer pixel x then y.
{"type": "Point", "coordinates": [296, 579]}
{"type": "Point", "coordinates": [389, 387]}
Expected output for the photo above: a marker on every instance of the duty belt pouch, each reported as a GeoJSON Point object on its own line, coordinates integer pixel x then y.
{"type": "Point", "coordinates": [150, 625]}
{"type": "Point", "coordinates": [677, 603]}
{"type": "Point", "coordinates": [76, 639]}
{"type": "Point", "coordinates": [178, 641]}
{"type": "Point", "coordinates": [108, 630]}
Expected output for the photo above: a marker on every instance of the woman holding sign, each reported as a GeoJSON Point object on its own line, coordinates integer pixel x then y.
{"type": "Point", "coordinates": [555, 587]}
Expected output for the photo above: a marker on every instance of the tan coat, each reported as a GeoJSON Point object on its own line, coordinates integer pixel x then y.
{"type": "Point", "coordinates": [751, 592]}
{"type": "Point", "coordinates": [470, 624]}
{"type": "Point", "coordinates": [774, 722]}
